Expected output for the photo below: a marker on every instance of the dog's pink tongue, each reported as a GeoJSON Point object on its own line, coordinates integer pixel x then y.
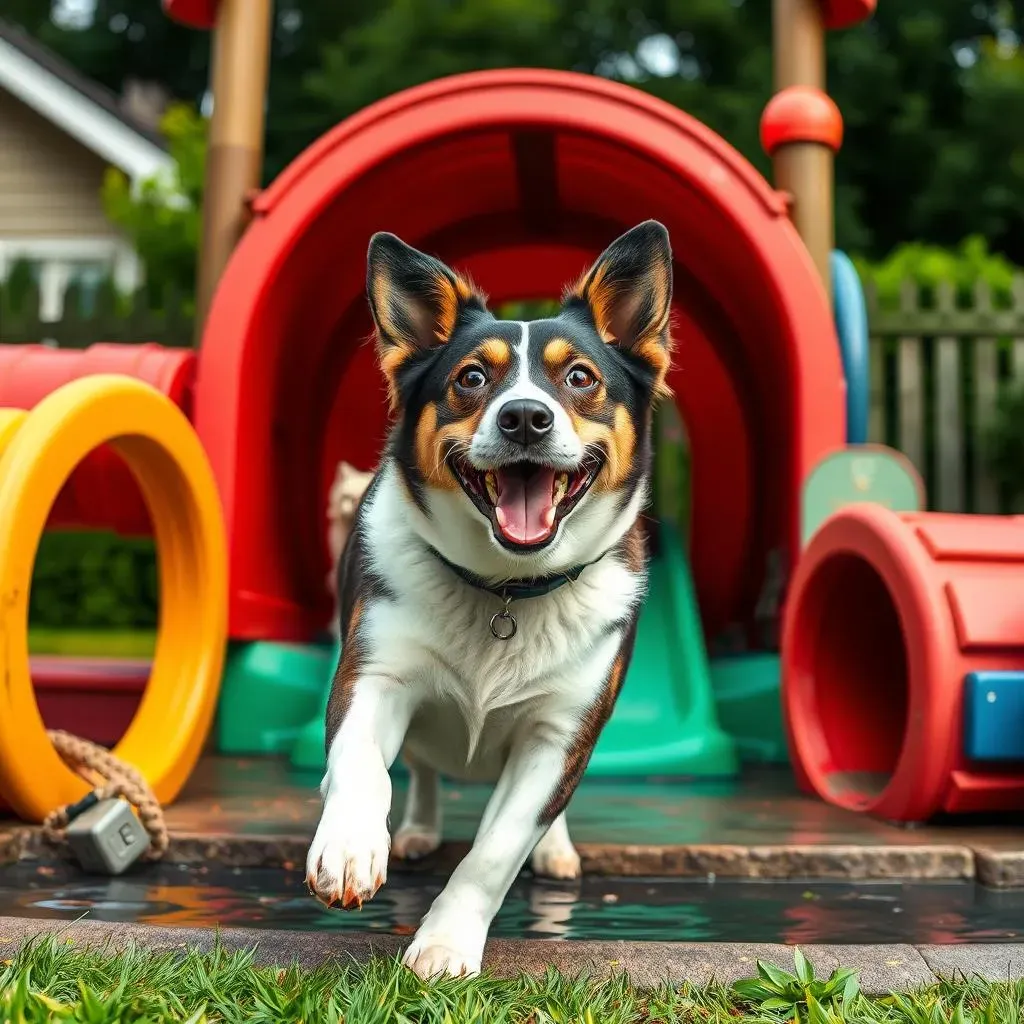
{"type": "Point", "coordinates": [525, 511]}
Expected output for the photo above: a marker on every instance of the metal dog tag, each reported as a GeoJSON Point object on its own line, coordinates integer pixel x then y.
{"type": "Point", "coordinates": [107, 838]}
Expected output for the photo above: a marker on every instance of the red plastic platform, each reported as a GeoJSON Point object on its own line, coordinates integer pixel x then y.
{"type": "Point", "coordinates": [113, 688]}
{"type": "Point", "coordinates": [520, 178]}
{"type": "Point", "coordinates": [886, 616]}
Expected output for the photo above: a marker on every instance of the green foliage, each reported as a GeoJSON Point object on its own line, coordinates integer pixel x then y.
{"type": "Point", "coordinates": [163, 218]}
{"type": "Point", "coordinates": [930, 91]}
{"type": "Point", "coordinates": [19, 292]}
{"type": "Point", "coordinates": [95, 581]}
{"type": "Point", "coordinates": [114, 40]}
{"type": "Point", "coordinates": [779, 992]}
{"type": "Point", "coordinates": [49, 980]}
{"type": "Point", "coordinates": [1005, 443]}
{"type": "Point", "coordinates": [928, 265]}
{"type": "Point", "coordinates": [932, 145]}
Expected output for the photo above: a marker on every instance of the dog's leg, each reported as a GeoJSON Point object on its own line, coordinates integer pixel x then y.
{"type": "Point", "coordinates": [420, 831]}
{"type": "Point", "coordinates": [348, 859]}
{"type": "Point", "coordinates": [451, 938]}
{"type": "Point", "coordinates": [555, 856]}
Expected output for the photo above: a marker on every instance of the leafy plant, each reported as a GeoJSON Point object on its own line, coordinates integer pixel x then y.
{"type": "Point", "coordinates": [927, 265]}
{"type": "Point", "coordinates": [1005, 447]}
{"type": "Point", "coordinates": [19, 292]}
{"type": "Point", "coordinates": [52, 980]}
{"type": "Point", "coordinates": [783, 994]}
{"type": "Point", "coordinates": [163, 215]}
{"type": "Point", "coordinates": [94, 580]}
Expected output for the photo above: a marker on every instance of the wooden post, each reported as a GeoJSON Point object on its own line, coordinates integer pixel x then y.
{"type": "Point", "coordinates": [804, 170]}
{"type": "Point", "coordinates": [803, 167]}
{"type": "Point", "coordinates": [241, 60]}
{"type": "Point", "coordinates": [798, 36]}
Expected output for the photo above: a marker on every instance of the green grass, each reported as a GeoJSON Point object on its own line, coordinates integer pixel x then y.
{"type": "Point", "coordinates": [92, 642]}
{"type": "Point", "coordinates": [55, 981]}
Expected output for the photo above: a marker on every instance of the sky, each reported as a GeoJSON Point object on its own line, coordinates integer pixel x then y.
{"type": "Point", "coordinates": [74, 13]}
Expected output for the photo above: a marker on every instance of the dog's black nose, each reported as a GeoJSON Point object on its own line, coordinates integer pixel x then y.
{"type": "Point", "coordinates": [525, 420]}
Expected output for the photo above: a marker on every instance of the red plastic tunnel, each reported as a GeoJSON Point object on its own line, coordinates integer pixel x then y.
{"type": "Point", "coordinates": [519, 177]}
{"type": "Point", "coordinates": [101, 492]}
{"type": "Point", "coordinates": [887, 615]}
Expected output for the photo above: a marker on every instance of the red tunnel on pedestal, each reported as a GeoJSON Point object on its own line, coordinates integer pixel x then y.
{"type": "Point", "coordinates": [520, 178]}
{"type": "Point", "coordinates": [887, 615]}
{"type": "Point", "coordinates": [102, 491]}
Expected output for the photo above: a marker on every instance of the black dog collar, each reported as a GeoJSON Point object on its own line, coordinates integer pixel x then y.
{"type": "Point", "coordinates": [512, 590]}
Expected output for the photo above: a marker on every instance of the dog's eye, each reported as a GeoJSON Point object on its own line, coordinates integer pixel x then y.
{"type": "Point", "coordinates": [472, 378]}
{"type": "Point", "coordinates": [580, 378]}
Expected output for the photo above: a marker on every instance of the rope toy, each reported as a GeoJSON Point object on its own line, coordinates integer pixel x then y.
{"type": "Point", "coordinates": [111, 778]}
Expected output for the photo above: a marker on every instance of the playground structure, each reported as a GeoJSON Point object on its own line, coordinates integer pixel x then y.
{"type": "Point", "coordinates": [519, 177]}
{"type": "Point", "coordinates": [904, 663]}
{"type": "Point", "coordinates": [38, 452]}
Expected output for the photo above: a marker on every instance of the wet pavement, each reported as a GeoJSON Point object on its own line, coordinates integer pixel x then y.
{"type": "Point", "coordinates": [595, 908]}
{"type": "Point", "coordinates": [762, 807]}
{"type": "Point", "coordinates": [255, 812]}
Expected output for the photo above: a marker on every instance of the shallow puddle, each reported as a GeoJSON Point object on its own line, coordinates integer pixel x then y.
{"type": "Point", "coordinates": [596, 908]}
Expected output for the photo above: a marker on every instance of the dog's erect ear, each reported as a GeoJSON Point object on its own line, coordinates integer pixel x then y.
{"type": "Point", "coordinates": [628, 294]}
{"type": "Point", "coordinates": [415, 299]}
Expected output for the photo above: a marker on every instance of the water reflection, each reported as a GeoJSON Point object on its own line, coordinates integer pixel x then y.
{"type": "Point", "coordinates": [595, 908]}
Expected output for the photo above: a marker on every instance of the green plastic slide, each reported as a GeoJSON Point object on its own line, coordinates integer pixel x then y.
{"type": "Point", "coordinates": [664, 722]}
{"type": "Point", "coordinates": [274, 696]}
{"type": "Point", "coordinates": [269, 695]}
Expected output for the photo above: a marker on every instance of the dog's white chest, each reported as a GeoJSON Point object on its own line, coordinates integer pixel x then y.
{"type": "Point", "coordinates": [433, 633]}
{"type": "Point", "coordinates": [487, 682]}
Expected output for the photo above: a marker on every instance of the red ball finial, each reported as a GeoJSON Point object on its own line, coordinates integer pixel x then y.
{"type": "Point", "coordinates": [844, 13]}
{"type": "Point", "coordinates": [801, 114]}
{"type": "Point", "coordinates": [193, 13]}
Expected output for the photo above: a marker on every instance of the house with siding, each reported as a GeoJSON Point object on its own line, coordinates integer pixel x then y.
{"type": "Point", "coordinates": [59, 132]}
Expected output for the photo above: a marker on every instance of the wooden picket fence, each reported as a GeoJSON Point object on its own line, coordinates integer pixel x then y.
{"type": "Point", "coordinates": [937, 368]}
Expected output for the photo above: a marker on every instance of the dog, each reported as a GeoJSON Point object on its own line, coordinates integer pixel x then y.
{"type": "Point", "coordinates": [492, 581]}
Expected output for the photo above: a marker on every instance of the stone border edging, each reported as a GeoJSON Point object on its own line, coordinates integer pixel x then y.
{"type": "Point", "coordinates": [813, 862]}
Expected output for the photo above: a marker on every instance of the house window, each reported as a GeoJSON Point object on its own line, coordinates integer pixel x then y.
{"type": "Point", "coordinates": [59, 263]}
{"type": "Point", "coordinates": [87, 278]}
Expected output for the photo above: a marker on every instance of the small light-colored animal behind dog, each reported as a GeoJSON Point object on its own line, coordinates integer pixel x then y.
{"type": "Point", "coordinates": [343, 499]}
{"type": "Point", "coordinates": [490, 587]}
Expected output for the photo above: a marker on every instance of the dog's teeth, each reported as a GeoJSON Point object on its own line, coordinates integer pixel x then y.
{"type": "Point", "coordinates": [561, 486]}
{"type": "Point", "coordinates": [491, 483]}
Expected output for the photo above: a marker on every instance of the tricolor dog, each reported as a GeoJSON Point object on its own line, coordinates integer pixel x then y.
{"type": "Point", "coordinates": [490, 588]}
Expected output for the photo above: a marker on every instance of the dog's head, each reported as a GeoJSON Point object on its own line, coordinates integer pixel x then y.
{"type": "Point", "coordinates": [532, 436]}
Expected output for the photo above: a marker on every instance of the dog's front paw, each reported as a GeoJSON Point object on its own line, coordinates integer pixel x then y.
{"type": "Point", "coordinates": [347, 866]}
{"type": "Point", "coordinates": [435, 955]}
{"type": "Point", "coordinates": [412, 842]}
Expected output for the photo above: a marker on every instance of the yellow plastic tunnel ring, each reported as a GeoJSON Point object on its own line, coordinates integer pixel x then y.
{"type": "Point", "coordinates": [38, 452]}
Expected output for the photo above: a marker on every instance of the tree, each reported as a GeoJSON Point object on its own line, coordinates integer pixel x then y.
{"type": "Point", "coordinates": [931, 102]}
{"type": "Point", "coordinates": [931, 90]}
{"type": "Point", "coordinates": [121, 39]}
{"type": "Point", "coordinates": [163, 217]}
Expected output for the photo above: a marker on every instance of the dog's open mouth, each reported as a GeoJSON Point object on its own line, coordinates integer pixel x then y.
{"type": "Point", "coordinates": [525, 500]}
